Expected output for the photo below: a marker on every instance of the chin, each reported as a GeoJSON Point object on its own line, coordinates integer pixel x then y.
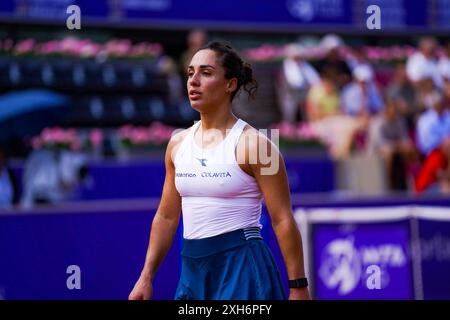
{"type": "Point", "coordinates": [198, 106]}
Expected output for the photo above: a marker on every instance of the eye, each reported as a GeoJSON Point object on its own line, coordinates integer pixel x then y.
{"type": "Point", "coordinates": [206, 73]}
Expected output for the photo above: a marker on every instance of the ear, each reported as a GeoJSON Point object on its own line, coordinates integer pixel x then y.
{"type": "Point", "coordinates": [232, 85]}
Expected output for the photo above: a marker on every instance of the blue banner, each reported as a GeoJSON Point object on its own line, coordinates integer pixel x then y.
{"type": "Point", "coordinates": [396, 15]}
{"type": "Point", "coordinates": [362, 260]}
{"type": "Point", "coordinates": [435, 254]}
{"type": "Point", "coordinates": [7, 6]}
{"type": "Point", "coordinates": [441, 15]}
{"type": "Point", "coordinates": [288, 15]}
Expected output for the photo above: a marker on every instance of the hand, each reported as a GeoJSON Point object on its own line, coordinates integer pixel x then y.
{"type": "Point", "coordinates": [299, 294]}
{"type": "Point", "coordinates": [143, 290]}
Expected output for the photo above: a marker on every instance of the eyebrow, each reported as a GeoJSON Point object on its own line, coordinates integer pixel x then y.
{"type": "Point", "coordinates": [203, 66]}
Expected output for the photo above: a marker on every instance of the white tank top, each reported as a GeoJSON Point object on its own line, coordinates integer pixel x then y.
{"type": "Point", "coordinates": [217, 195]}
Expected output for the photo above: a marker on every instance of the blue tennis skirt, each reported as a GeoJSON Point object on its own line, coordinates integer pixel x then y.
{"type": "Point", "coordinates": [237, 265]}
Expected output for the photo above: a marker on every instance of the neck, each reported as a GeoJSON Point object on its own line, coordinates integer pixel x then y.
{"type": "Point", "coordinates": [221, 118]}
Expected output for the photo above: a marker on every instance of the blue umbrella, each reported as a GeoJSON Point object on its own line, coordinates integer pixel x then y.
{"type": "Point", "coordinates": [25, 113]}
{"type": "Point", "coordinates": [17, 103]}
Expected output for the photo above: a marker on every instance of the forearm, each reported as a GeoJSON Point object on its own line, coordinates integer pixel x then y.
{"type": "Point", "coordinates": [290, 242]}
{"type": "Point", "coordinates": [161, 238]}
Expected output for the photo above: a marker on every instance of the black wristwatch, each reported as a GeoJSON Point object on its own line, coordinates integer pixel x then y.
{"type": "Point", "coordinates": [298, 283]}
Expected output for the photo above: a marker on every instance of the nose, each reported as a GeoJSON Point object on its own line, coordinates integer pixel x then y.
{"type": "Point", "coordinates": [194, 81]}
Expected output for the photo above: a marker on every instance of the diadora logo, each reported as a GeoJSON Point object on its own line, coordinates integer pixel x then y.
{"type": "Point", "coordinates": [202, 161]}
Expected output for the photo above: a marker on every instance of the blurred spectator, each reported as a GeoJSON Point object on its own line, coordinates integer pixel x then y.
{"type": "Point", "coordinates": [388, 136]}
{"type": "Point", "coordinates": [433, 141]}
{"type": "Point", "coordinates": [433, 126]}
{"type": "Point", "coordinates": [323, 98]}
{"type": "Point", "coordinates": [168, 67]}
{"type": "Point", "coordinates": [52, 176]}
{"type": "Point", "coordinates": [296, 77]}
{"type": "Point", "coordinates": [446, 91]}
{"type": "Point", "coordinates": [444, 67]}
{"type": "Point", "coordinates": [361, 97]}
{"type": "Point", "coordinates": [423, 64]}
{"type": "Point", "coordinates": [332, 62]}
{"type": "Point", "coordinates": [403, 95]}
{"type": "Point", "coordinates": [426, 92]}
{"type": "Point", "coordinates": [196, 39]}
{"type": "Point", "coordinates": [444, 63]}
{"type": "Point", "coordinates": [361, 100]}
{"type": "Point", "coordinates": [9, 192]}
{"type": "Point", "coordinates": [323, 112]}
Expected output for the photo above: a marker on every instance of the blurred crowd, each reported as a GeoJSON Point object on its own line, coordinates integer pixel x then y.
{"type": "Point", "coordinates": [404, 120]}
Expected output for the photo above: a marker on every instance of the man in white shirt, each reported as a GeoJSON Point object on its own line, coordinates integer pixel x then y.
{"type": "Point", "coordinates": [52, 176]}
{"type": "Point", "coordinates": [433, 126]}
{"type": "Point", "coordinates": [361, 97]}
{"type": "Point", "coordinates": [297, 76]}
{"type": "Point", "coordinates": [423, 63]}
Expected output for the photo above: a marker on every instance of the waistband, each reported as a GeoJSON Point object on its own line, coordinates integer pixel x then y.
{"type": "Point", "coordinates": [196, 248]}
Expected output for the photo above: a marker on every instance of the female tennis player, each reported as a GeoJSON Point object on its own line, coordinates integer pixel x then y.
{"type": "Point", "coordinates": [217, 175]}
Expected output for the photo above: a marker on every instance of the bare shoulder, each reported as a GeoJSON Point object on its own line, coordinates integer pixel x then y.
{"type": "Point", "coordinates": [178, 136]}
{"type": "Point", "coordinates": [253, 139]}
{"type": "Point", "coordinates": [175, 142]}
{"type": "Point", "coordinates": [249, 131]}
{"type": "Point", "coordinates": [255, 148]}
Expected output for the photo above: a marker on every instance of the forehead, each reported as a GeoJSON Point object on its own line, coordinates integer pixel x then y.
{"type": "Point", "coordinates": [204, 57]}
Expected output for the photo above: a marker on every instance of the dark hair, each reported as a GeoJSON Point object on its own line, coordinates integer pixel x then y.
{"type": "Point", "coordinates": [234, 67]}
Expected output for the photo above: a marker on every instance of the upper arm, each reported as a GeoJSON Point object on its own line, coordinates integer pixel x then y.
{"type": "Point", "coordinates": [170, 204]}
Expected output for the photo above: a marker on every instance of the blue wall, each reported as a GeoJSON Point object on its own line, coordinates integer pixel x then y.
{"type": "Point", "coordinates": [108, 241]}
{"type": "Point", "coordinates": [109, 246]}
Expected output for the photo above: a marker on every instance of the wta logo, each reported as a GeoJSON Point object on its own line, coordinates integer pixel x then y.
{"type": "Point", "coordinates": [344, 266]}
{"type": "Point", "coordinates": [304, 10]}
{"type": "Point", "coordinates": [341, 267]}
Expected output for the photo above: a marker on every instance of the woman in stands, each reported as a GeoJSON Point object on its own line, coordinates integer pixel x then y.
{"type": "Point", "coordinates": [217, 174]}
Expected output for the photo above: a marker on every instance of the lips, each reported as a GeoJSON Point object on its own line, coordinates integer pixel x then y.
{"type": "Point", "coordinates": [194, 94]}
